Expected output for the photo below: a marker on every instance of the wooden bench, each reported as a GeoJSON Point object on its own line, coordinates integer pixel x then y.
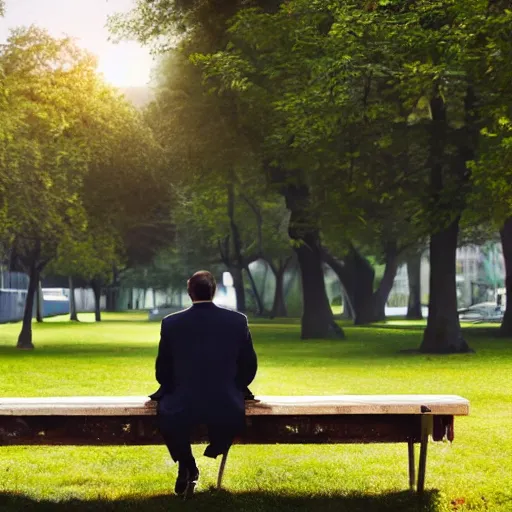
{"type": "Point", "coordinates": [281, 420]}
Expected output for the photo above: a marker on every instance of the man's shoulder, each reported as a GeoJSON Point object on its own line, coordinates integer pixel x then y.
{"type": "Point", "coordinates": [172, 317]}
{"type": "Point", "coordinates": [231, 313]}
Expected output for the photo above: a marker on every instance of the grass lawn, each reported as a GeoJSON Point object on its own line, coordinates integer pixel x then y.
{"type": "Point", "coordinates": [116, 357]}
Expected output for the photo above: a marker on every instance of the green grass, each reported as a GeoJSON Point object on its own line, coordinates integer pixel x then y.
{"type": "Point", "coordinates": [116, 357]}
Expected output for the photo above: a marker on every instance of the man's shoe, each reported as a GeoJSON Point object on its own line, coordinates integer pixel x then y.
{"type": "Point", "coordinates": [186, 481]}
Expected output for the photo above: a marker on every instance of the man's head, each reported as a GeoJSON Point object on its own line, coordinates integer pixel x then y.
{"type": "Point", "coordinates": [201, 286]}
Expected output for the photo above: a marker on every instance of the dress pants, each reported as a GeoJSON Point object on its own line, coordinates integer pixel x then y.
{"type": "Point", "coordinates": [176, 429]}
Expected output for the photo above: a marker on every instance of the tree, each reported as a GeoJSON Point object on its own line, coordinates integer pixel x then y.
{"type": "Point", "coordinates": [214, 171]}
{"type": "Point", "coordinates": [327, 92]}
{"type": "Point", "coordinates": [206, 33]}
{"type": "Point", "coordinates": [491, 198]}
{"type": "Point", "coordinates": [136, 214]}
{"type": "Point", "coordinates": [72, 141]}
{"type": "Point", "coordinates": [88, 257]}
{"type": "Point", "coordinates": [414, 309]}
{"type": "Point", "coordinates": [506, 240]}
{"type": "Point", "coordinates": [433, 75]}
{"type": "Point", "coordinates": [45, 79]}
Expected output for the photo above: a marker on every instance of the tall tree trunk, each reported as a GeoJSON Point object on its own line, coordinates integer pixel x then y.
{"type": "Point", "coordinates": [348, 309]}
{"type": "Point", "coordinates": [357, 278]}
{"type": "Point", "coordinates": [112, 298]}
{"type": "Point", "coordinates": [414, 311]}
{"type": "Point", "coordinates": [279, 306]}
{"type": "Point", "coordinates": [39, 303]}
{"type": "Point", "coordinates": [363, 277]}
{"type": "Point", "coordinates": [381, 295]}
{"type": "Point", "coordinates": [237, 263]}
{"type": "Point", "coordinates": [96, 288]}
{"type": "Point", "coordinates": [443, 334]}
{"type": "Point", "coordinates": [506, 241]}
{"type": "Point", "coordinates": [317, 318]}
{"type": "Point", "coordinates": [346, 277]}
{"type": "Point", "coordinates": [154, 297]}
{"type": "Point", "coordinates": [25, 337]}
{"type": "Point", "coordinates": [257, 297]}
{"type": "Point", "coordinates": [73, 316]}
{"type": "Point", "coordinates": [238, 285]}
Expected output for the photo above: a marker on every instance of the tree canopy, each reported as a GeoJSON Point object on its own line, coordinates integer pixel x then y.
{"type": "Point", "coordinates": [79, 167]}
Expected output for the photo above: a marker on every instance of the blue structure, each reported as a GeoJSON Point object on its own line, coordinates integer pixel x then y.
{"type": "Point", "coordinates": [13, 293]}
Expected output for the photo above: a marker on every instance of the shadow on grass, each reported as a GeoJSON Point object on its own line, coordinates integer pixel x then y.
{"type": "Point", "coordinates": [83, 351]}
{"type": "Point", "coordinates": [211, 500]}
{"type": "Point", "coordinates": [471, 329]}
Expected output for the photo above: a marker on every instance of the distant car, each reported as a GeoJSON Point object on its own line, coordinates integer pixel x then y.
{"type": "Point", "coordinates": [162, 311]}
{"type": "Point", "coordinates": [483, 312]}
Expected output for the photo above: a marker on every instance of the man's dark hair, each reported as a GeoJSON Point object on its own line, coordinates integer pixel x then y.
{"type": "Point", "coordinates": [201, 286]}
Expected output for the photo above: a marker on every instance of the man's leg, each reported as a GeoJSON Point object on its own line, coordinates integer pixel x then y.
{"type": "Point", "coordinates": [176, 430]}
{"type": "Point", "coordinates": [221, 436]}
{"type": "Point", "coordinates": [176, 433]}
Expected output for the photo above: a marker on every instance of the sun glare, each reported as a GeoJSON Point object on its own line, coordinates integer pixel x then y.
{"type": "Point", "coordinates": [125, 65]}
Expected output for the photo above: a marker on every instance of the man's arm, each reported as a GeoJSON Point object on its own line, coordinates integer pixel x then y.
{"type": "Point", "coordinates": [247, 361]}
{"type": "Point", "coordinates": [164, 366]}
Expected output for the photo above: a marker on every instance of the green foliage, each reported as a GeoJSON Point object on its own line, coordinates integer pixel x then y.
{"type": "Point", "coordinates": [80, 172]}
{"type": "Point", "coordinates": [390, 116]}
{"type": "Point", "coordinates": [46, 83]}
{"type": "Point", "coordinates": [210, 160]}
{"type": "Point", "coordinates": [345, 92]}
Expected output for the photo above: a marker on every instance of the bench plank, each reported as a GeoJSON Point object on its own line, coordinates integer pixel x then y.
{"type": "Point", "coordinates": [266, 405]}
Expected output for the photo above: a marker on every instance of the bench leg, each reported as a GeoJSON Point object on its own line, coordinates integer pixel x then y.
{"type": "Point", "coordinates": [221, 469]}
{"type": "Point", "coordinates": [426, 430]}
{"type": "Point", "coordinates": [412, 467]}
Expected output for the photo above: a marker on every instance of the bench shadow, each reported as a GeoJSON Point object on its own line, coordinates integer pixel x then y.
{"type": "Point", "coordinates": [212, 500]}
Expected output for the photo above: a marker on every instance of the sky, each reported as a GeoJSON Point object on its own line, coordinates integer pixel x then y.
{"type": "Point", "coordinates": [125, 64]}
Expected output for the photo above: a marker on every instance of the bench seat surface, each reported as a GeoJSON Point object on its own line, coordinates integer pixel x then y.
{"type": "Point", "coordinates": [265, 405]}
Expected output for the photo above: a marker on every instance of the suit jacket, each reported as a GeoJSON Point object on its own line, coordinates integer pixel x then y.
{"type": "Point", "coordinates": [205, 362]}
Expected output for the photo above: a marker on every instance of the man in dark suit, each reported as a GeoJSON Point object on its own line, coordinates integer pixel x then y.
{"type": "Point", "coordinates": [205, 362]}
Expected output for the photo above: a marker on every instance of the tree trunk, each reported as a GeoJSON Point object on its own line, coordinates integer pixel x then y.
{"type": "Point", "coordinates": [39, 303]}
{"type": "Point", "coordinates": [381, 295]}
{"type": "Point", "coordinates": [506, 241]}
{"type": "Point", "coordinates": [73, 316]}
{"type": "Point", "coordinates": [96, 288]}
{"type": "Point", "coordinates": [414, 311]}
{"type": "Point", "coordinates": [237, 263]}
{"type": "Point", "coordinates": [317, 318]}
{"type": "Point", "coordinates": [362, 288]}
{"type": "Point", "coordinates": [238, 284]}
{"type": "Point", "coordinates": [112, 298]}
{"type": "Point", "coordinates": [345, 275]}
{"type": "Point", "coordinates": [279, 306]}
{"type": "Point", "coordinates": [348, 309]}
{"type": "Point", "coordinates": [443, 334]}
{"type": "Point", "coordinates": [257, 297]}
{"type": "Point", "coordinates": [357, 278]}
{"type": "Point", "coordinates": [154, 297]}
{"type": "Point", "coordinates": [25, 337]}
